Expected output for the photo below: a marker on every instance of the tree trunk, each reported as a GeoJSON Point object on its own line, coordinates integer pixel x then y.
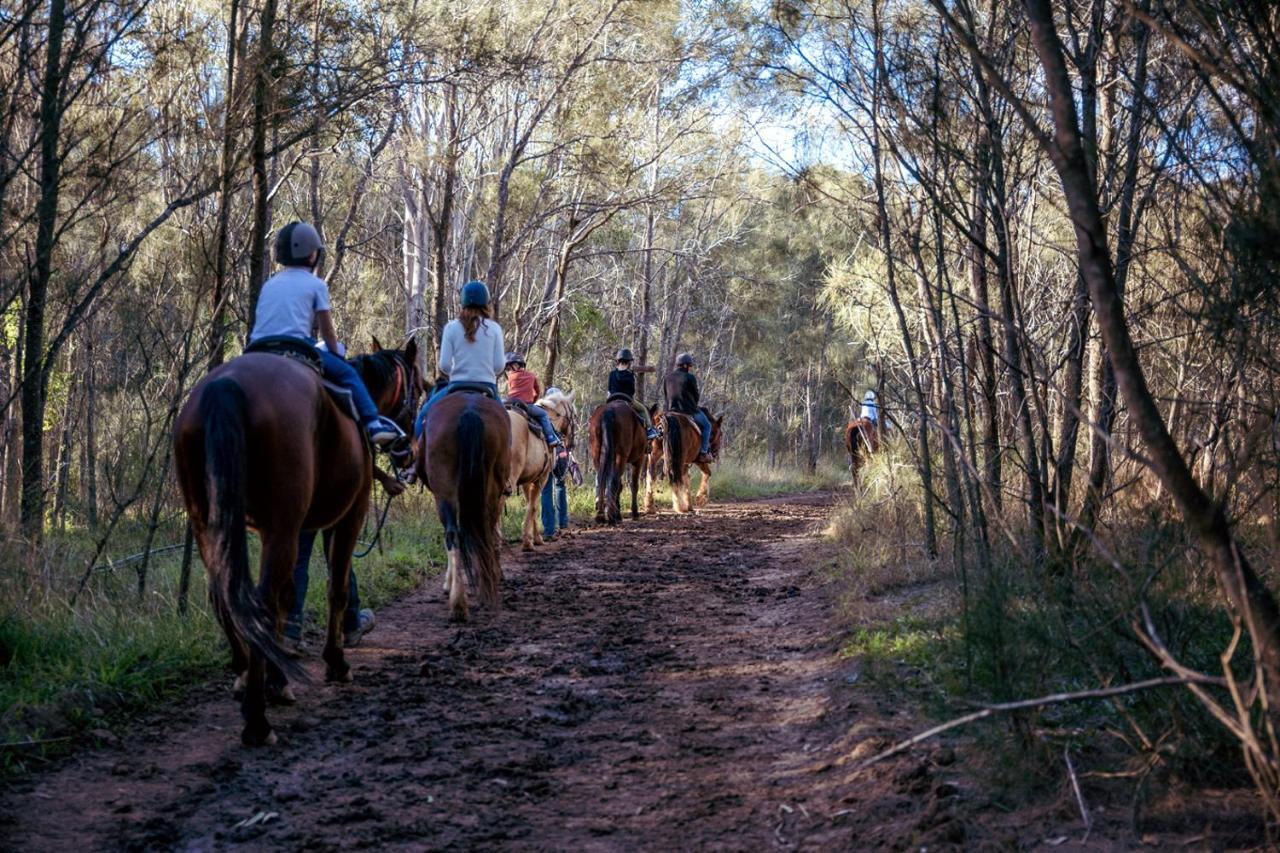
{"type": "Point", "coordinates": [262, 91]}
{"type": "Point", "coordinates": [35, 372]}
{"type": "Point", "coordinates": [221, 292]}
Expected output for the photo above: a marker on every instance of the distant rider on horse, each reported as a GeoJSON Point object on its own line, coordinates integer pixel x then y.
{"type": "Point", "coordinates": [471, 349]}
{"type": "Point", "coordinates": [295, 302]}
{"type": "Point", "coordinates": [870, 408]}
{"type": "Point", "coordinates": [622, 380]}
{"type": "Point", "coordinates": [681, 390]}
{"type": "Point", "coordinates": [523, 385]}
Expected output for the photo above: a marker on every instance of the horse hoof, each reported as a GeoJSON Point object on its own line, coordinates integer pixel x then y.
{"type": "Point", "coordinates": [251, 737]}
{"type": "Point", "coordinates": [237, 689]}
{"type": "Point", "coordinates": [282, 696]}
{"type": "Point", "coordinates": [338, 676]}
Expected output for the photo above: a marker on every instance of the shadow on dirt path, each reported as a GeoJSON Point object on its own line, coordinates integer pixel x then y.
{"type": "Point", "coordinates": [672, 683]}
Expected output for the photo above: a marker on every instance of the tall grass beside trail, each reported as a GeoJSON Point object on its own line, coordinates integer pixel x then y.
{"type": "Point", "coordinates": [71, 671]}
{"type": "Point", "coordinates": [952, 632]}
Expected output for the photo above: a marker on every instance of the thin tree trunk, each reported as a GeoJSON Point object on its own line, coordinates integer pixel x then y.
{"type": "Point", "coordinates": [262, 92]}
{"type": "Point", "coordinates": [221, 292]}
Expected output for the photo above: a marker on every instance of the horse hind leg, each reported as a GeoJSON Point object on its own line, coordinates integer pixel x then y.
{"type": "Point", "coordinates": [704, 488]}
{"type": "Point", "coordinates": [458, 611]}
{"type": "Point", "coordinates": [340, 543]}
{"type": "Point", "coordinates": [279, 556]}
{"type": "Point", "coordinates": [635, 488]}
{"type": "Point", "coordinates": [529, 533]}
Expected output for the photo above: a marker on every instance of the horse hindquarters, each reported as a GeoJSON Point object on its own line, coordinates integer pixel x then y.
{"type": "Point", "coordinates": [673, 448]}
{"type": "Point", "coordinates": [224, 546]}
{"type": "Point", "coordinates": [471, 522]}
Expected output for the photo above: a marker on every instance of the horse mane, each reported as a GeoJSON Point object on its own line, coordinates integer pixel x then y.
{"type": "Point", "coordinates": [377, 369]}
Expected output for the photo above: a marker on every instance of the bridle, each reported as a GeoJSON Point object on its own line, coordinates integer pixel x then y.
{"type": "Point", "coordinates": [405, 396]}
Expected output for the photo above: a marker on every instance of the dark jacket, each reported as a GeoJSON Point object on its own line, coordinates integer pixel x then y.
{"type": "Point", "coordinates": [681, 391]}
{"type": "Point", "coordinates": [622, 382]}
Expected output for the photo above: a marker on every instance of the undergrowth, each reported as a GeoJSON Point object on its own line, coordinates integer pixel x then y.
{"type": "Point", "coordinates": [75, 664]}
{"type": "Point", "coordinates": [948, 632]}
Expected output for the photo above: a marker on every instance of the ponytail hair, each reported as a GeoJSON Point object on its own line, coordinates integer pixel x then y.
{"type": "Point", "coordinates": [471, 317]}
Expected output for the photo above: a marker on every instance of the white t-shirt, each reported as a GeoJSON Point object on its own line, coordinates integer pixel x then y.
{"type": "Point", "coordinates": [480, 360]}
{"type": "Point", "coordinates": [288, 304]}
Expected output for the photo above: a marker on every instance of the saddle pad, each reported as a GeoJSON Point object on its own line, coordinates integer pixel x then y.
{"type": "Point", "coordinates": [289, 347]}
{"type": "Point", "coordinates": [342, 398]}
{"type": "Point", "coordinates": [470, 388]}
{"type": "Point", "coordinates": [523, 408]}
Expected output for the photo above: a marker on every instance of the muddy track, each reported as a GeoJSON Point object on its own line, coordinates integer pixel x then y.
{"type": "Point", "coordinates": [670, 684]}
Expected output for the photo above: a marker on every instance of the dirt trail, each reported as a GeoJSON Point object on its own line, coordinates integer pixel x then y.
{"type": "Point", "coordinates": [670, 684]}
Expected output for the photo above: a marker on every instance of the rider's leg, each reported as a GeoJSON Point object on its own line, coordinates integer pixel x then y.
{"type": "Point", "coordinates": [422, 413]}
{"type": "Point", "coordinates": [301, 576]}
{"type": "Point", "coordinates": [645, 418]}
{"type": "Point", "coordinates": [336, 370]}
{"type": "Point", "coordinates": [548, 509]}
{"type": "Point", "coordinates": [704, 424]}
{"type": "Point", "coordinates": [562, 502]}
{"type": "Point", "coordinates": [544, 420]}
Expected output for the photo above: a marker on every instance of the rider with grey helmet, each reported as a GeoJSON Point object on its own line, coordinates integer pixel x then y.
{"type": "Point", "coordinates": [471, 348]}
{"type": "Point", "coordinates": [870, 408]}
{"type": "Point", "coordinates": [681, 390]}
{"type": "Point", "coordinates": [622, 380]}
{"type": "Point", "coordinates": [294, 303]}
{"type": "Point", "coordinates": [523, 385]}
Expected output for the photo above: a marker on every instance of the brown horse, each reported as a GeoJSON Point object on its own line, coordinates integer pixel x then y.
{"type": "Point", "coordinates": [464, 455]}
{"type": "Point", "coordinates": [861, 439]}
{"type": "Point", "coordinates": [532, 459]}
{"type": "Point", "coordinates": [617, 443]}
{"type": "Point", "coordinates": [681, 441]}
{"type": "Point", "coordinates": [261, 444]}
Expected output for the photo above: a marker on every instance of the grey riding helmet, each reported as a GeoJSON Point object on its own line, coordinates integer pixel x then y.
{"type": "Point", "coordinates": [684, 360]}
{"type": "Point", "coordinates": [475, 294]}
{"type": "Point", "coordinates": [294, 244]}
{"type": "Point", "coordinates": [515, 358]}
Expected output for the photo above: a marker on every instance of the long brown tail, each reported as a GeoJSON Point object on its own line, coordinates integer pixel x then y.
{"type": "Point", "coordinates": [673, 440]}
{"type": "Point", "coordinates": [476, 538]}
{"type": "Point", "coordinates": [222, 409]}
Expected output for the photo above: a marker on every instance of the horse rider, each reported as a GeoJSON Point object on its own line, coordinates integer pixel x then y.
{"type": "Point", "coordinates": [681, 390]}
{"type": "Point", "coordinates": [870, 408]}
{"type": "Point", "coordinates": [523, 385]}
{"type": "Point", "coordinates": [471, 349]}
{"type": "Point", "coordinates": [622, 380]}
{"type": "Point", "coordinates": [295, 302]}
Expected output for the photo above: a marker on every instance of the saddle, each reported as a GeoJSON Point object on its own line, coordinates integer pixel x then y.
{"type": "Point", "coordinates": [304, 353]}
{"type": "Point", "coordinates": [523, 408]}
{"type": "Point", "coordinates": [470, 388]}
{"type": "Point", "coordinates": [615, 397]}
{"type": "Point", "coordinates": [289, 347]}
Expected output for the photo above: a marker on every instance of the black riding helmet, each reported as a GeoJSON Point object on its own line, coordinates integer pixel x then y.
{"type": "Point", "coordinates": [294, 244]}
{"type": "Point", "coordinates": [624, 354]}
{"type": "Point", "coordinates": [684, 360]}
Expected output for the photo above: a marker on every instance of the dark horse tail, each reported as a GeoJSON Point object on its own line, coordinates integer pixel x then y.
{"type": "Point", "coordinates": [222, 410]}
{"type": "Point", "coordinates": [469, 527]}
{"type": "Point", "coordinates": [608, 425]}
{"type": "Point", "coordinates": [674, 439]}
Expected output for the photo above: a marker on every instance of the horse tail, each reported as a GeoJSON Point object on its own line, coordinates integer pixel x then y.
{"type": "Point", "coordinates": [608, 464]}
{"type": "Point", "coordinates": [223, 407]}
{"type": "Point", "coordinates": [674, 441]}
{"type": "Point", "coordinates": [475, 536]}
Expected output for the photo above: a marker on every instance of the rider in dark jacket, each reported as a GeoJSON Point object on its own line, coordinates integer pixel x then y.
{"type": "Point", "coordinates": [682, 395]}
{"type": "Point", "coordinates": [622, 380]}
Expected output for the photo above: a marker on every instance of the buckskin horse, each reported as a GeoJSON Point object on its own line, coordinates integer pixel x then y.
{"type": "Point", "coordinates": [261, 444]}
{"type": "Point", "coordinates": [681, 441]}
{"type": "Point", "coordinates": [618, 443]}
{"type": "Point", "coordinates": [861, 439]}
{"type": "Point", "coordinates": [464, 457]}
{"type": "Point", "coordinates": [532, 460]}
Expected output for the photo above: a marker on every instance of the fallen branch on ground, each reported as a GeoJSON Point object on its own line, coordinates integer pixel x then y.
{"type": "Point", "coordinates": [1052, 699]}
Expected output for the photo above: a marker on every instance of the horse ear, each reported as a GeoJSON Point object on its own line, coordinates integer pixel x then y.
{"type": "Point", "coordinates": [411, 349]}
{"type": "Point", "coordinates": [377, 344]}
{"type": "Point", "coordinates": [718, 418]}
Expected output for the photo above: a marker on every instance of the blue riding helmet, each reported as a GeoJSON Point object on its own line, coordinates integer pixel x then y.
{"type": "Point", "coordinates": [475, 294]}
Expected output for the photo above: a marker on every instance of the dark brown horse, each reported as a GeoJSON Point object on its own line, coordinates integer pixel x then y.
{"type": "Point", "coordinates": [464, 457]}
{"type": "Point", "coordinates": [617, 444]}
{"type": "Point", "coordinates": [261, 444]}
{"type": "Point", "coordinates": [681, 441]}
{"type": "Point", "coordinates": [861, 439]}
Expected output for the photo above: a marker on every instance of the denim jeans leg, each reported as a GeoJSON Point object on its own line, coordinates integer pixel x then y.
{"type": "Point", "coordinates": [337, 371]}
{"type": "Point", "coordinates": [301, 578]}
{"type": "Point", "coordinates": [548, 508]}
{"type": "Point", "coordinates": [543, 419]}
{"type": "Point", "coordinates": [562, 503]}
{"type": "Point", "coordinates": [704, 424]}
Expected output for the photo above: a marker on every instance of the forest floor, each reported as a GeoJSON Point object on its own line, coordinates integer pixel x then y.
{"type": "Point", "coordinates": [673, 683]}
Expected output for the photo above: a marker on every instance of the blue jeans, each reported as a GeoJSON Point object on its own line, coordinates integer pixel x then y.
{"type": "Point", "coordinates": [548, 431]}
{"type": "Point", "coordinates": [704, 424]}
{"type": "Point", "coordinates": [301, 578]}
{"type": "Point", "coordinates": [337, 371]}
{"type": "Point", "coordinates": [555, 505]}
{"type": "Point", "coordinates": [436, 395]}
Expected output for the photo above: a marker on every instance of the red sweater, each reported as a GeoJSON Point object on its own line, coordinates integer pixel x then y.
{"type": "Point", "coordinates": [523, 385]}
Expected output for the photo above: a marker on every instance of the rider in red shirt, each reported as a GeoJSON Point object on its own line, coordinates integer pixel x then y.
{"type": "Point", "coordinates": [523, 385]}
